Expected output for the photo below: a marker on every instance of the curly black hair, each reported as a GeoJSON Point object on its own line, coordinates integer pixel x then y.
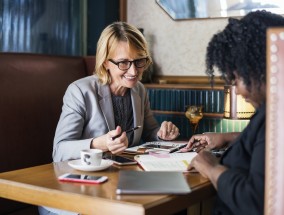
{"type": "Point", "coordinates": [241, 48]}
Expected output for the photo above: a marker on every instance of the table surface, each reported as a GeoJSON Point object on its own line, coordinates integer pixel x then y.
{"type": "Point", "coordinates": [39, 186]}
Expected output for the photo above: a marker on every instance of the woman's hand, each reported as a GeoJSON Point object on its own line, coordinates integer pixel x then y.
{"type": "Point", "coordinates": [210, 141]}
{"type": "Point", "coordinates": [203, 162]}
{"type": "Point", "coordinates": [105, 142]}
{"type": "Point", "coordinates": [207, 165]}
{"type": "Point", "coordinates": [119, 144]}
{"type": "Point", "coordinates": [168, 131]}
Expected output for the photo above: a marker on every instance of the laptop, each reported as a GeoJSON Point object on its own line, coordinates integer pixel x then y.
{"type": "Point", "coordinates": [140, 182]}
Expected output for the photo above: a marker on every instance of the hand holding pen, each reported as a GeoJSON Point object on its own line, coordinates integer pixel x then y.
{"type": "Point", "coordinates": [114, 141]}
{"type": "Point", "coordinates": [196, 143]}
{"type": "Point", "coordinates": [127, 131]}
{"type": "Point", "coordinates": [208, 140]}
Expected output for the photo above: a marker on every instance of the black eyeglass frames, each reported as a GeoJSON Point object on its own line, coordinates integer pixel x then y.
{"type": "Point", "coordinates": [126, 64]}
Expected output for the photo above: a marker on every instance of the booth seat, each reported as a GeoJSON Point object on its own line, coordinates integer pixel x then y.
{"type": "Point", "coordinates": [31, 91]}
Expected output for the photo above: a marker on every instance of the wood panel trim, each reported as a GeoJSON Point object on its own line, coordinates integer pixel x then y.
{"type": "Point", "coordinates": [184, 86]}
{"type": "Point", "coordinates": [207, 115]}
{"type": "Point", "coordinates": [187, 80]}
{"type": "Point", "coordinates": [123, 10]}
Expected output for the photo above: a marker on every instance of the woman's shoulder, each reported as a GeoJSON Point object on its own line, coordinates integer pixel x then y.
{"type": "Point", "coordinates": [86, 80]}
{"type": "Point", "coordinates": [84, 84]}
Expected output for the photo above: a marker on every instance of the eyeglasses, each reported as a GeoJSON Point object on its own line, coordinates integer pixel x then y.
{"type": "Point", "coordinates": [126, 64]}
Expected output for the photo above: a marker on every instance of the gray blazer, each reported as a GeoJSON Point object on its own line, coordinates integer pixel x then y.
{"type": "Point", "coordinates": [87, 113]}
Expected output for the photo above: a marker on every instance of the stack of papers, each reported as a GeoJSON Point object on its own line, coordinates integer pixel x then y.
{"type": "Point", "coordinates": [161, 146]}
{"type": "Point", "coordinates": [165, 162]}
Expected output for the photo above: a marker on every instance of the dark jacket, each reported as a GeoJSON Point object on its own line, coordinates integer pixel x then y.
{"type": "Point", "coordinates": [241, 187]}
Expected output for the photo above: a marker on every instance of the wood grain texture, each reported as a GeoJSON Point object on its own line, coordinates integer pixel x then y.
{"type": "Point", "coordinates": [193, 80]}
{"type": "Point", "coordinates": [39, 186]}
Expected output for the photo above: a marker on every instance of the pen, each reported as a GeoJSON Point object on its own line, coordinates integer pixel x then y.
{"type": "Point", "coordinates": [127, 131]}
{"type": "Point", "coordinates": [178, 148]}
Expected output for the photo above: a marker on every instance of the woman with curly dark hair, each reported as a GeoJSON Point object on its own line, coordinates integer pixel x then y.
{"type": "Point", "coordinates": [239, 54]}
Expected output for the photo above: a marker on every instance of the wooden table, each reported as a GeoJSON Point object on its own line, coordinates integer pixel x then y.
{"type": "Point", "coordinates": [39, 186]}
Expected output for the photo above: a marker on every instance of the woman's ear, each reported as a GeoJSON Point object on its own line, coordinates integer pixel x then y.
{"type": "Point", "coordinates": [106, 65]}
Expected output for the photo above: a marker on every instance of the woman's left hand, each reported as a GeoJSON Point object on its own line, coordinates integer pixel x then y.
{"type": "Point", "coordinates": [208, 165]}
{"type": "Point", "coordinates": [168, 131]}
{"type": "Point", "coordinates": [203, 163]}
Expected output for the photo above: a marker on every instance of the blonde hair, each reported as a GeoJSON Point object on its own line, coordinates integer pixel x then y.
{"type": "Point", "coordinates": [108, 41]}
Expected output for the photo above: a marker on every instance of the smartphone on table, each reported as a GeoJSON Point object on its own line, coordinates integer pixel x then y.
{"type": "Point", "coordinates": [90, 179]}
{"type": "Point", "coordinates": [119, 160]}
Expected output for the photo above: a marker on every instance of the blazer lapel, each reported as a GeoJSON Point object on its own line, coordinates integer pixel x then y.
{"type": "Point", "coordinates": [106, 105]}
{"type": "Point", "coordinates": [136, 104]}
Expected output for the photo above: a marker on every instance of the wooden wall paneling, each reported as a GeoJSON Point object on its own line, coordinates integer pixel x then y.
{"type": "Point", "coordinates": [188, 80]}
{"type": "Point", "coordinates": [123, 10]}
{"type": "Point", "coordinates": [168, 102]}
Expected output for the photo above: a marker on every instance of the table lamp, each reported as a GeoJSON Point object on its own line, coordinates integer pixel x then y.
{"type": "Point", "coordinates": [235, 106]}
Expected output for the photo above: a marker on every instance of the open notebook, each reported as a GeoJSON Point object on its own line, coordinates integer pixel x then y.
{"type": "Point", "coordinates": [165, 162]}
{"type": "Point", "coordinates": [140, 182]}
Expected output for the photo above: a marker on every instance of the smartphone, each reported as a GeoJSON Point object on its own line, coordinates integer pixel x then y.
{"type": "Point", "coordinates": [90, 179]}
{"type": "Point", "coordinates": [122, 160]}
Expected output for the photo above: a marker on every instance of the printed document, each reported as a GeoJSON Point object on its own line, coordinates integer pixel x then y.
{"type": "Point", "coordinates": [165, 162]}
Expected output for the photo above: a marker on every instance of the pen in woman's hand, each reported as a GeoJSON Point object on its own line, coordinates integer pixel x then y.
{"type": "Point", "coordinates": [127, 131]}
{"type": "Point", "coordinates": [196, 146]}
{"type": "Point", "coordinates": [198, 149]}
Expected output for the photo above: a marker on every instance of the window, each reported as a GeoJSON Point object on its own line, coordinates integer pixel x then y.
{"type": "Point", "coordinates": [42, 26]}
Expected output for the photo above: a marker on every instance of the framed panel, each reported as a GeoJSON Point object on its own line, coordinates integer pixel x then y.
{"type": "Point", "coordinates": [274, 171]}
{"type": "Point", "coordinates": [196, 9]}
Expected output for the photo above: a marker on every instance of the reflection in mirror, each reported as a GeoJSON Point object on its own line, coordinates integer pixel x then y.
{"type": "Point", "coordinates": [191, 9]}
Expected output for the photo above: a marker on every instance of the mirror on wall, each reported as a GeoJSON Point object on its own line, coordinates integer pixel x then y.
{"type": "Point", "coordinates": [195, 9]}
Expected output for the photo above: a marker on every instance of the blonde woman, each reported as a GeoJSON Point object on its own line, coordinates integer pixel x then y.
{"type": "Point", "coordinates": [104, 105]}
{"type": "Point", "coordinates": [101, 106]}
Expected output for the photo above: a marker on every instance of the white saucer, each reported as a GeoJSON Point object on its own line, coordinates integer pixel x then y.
{"type": "Point", "coordinates": [76, 164]}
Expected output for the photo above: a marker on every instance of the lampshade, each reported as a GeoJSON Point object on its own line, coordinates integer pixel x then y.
{"type": "Point", "coordinates": [235, 106]}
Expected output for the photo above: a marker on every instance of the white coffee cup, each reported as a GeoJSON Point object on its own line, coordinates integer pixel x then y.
{"type": "Point", "coordinates": [91, 157]}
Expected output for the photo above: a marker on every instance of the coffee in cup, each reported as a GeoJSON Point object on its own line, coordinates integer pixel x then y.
{"type": "Point", "coordinates": [91, 157]}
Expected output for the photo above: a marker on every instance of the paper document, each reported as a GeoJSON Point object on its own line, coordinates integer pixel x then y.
{"type": "Point", "coordinates": [165, 162]}
{"type": "Point", "coordinates": [161, 146]}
